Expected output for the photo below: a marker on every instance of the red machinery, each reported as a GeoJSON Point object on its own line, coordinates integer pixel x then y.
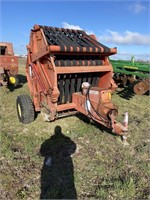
{"type": "Point", "coordinates": [68, 71]}
{"type": "Point", "coordinates": [8, 65]}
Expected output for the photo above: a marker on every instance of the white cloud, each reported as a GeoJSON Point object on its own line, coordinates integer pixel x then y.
{"type": "Point", "coordinates": [77, 27]}
{"type": "Point", "coordinates": [136, 8]}
{"type": "Point", "coordinates": [126, 42]}
{"type": "Point", "coordinates": [70, 26]}
{"type": "Point", "coordinates": [126, 38]}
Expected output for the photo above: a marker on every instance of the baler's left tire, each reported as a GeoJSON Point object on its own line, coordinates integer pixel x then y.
{"type": "Point", "coordinates": [25, 109]}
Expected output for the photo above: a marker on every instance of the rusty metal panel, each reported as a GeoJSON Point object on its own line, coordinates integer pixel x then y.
{"type": "Point", "coordinates": [8, 63]}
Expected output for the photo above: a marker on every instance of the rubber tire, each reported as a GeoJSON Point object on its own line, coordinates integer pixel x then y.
{"type": "Point", "coordinates": [25, 109]}
{"type": "Point", "coordinates": [17, 81]}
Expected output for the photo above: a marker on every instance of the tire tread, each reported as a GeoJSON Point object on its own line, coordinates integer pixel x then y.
{"type": "Point", "coordinates": [27, 109]}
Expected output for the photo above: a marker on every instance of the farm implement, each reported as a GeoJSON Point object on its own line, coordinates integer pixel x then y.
{"type": "Point", "coordinates": [8, 65]}
{"type": "Point", "coordinates": [68, 71]}
{"type": "Point", "coordinates": [130, 72]}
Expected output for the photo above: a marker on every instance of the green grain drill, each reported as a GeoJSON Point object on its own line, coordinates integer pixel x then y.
{"type": "Point", "coordinates": [136, 73]}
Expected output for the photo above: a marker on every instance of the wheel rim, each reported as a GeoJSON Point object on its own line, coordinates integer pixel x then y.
{"type": "Point", "coordinates": [19, 110]}
{"type": "Point", "coordinates": [12, 80]}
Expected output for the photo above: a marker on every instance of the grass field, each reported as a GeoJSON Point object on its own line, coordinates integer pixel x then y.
{"type": "Point", "coordinates": [100, 166]}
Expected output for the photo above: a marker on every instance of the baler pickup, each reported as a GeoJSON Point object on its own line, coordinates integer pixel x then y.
{"type": "Point", "coordinates": [68, 71]}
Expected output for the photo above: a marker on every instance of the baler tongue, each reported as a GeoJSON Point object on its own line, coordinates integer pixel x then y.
{"type": "Point", "coordinates": [59, 61]}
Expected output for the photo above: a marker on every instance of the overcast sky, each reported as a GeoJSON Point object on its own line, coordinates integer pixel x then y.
{"type": "Point", "coordinates": [121, 24]}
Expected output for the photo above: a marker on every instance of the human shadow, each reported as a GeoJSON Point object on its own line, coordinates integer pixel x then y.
{"type": "Point", "coordinates": [57, 174]}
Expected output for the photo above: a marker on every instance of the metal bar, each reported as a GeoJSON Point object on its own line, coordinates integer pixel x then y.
{"type": "Point", "coordinates": [63, 107]}
{"type": "Point", "coordinates": [79, 78]}
{"type": "Point", "coordinates": [72, 89]}
{"type": "Point", "coordinates": [84, 69]}
{"type": "Point", "coordinates": [94, 80]}
{"type": "Point", "coordinates": [61, 39]}
{"type": "Point", "coordinates": [61, 89]}
{"type": "Point", "coordinates": [68, 113]}
{"type": "Point", "coordinates": [67, 92]}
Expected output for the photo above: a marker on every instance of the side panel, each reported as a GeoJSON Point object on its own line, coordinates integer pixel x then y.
{"type": "Point", "coordinates": [9, 63]}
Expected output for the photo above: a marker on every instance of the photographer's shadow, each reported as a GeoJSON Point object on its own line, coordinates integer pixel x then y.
{"type": "Point", "coordinates": [57, 174]}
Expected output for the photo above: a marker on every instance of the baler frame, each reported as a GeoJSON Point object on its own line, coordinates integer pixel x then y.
{"type": "Point", "coordinates": [59, 61]}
